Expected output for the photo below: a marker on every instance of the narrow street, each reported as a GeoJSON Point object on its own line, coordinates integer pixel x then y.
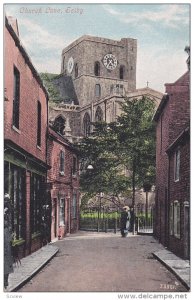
{"type": "Point", "coordinates": [104, 262]}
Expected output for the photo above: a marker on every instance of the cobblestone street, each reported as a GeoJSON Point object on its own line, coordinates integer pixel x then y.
{"type": "Point", "coordinates": [105, 262]}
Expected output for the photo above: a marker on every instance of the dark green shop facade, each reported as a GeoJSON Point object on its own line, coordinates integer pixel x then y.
{"type": "Point", "coordinates": [25, 182]}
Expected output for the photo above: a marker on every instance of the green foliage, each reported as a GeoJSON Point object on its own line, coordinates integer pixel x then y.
{"type": "Point", "coordinates": [128, 143]}
{"type": "Point", "coordinates": [47, 79]}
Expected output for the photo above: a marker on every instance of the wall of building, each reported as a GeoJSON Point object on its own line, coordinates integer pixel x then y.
{"type": "Point", "coordinates": [63, 185]}
{"type": "Point", "coordinates": [30, 93]}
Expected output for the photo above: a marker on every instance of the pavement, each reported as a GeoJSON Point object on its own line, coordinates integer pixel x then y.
{"type": "Point", "coordinates": [33, 263]}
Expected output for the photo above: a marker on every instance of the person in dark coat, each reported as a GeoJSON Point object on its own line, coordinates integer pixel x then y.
{"type": "Point", "coordinates": [8, 259]}
{"type": "Point", "coordinates": [125, 221]}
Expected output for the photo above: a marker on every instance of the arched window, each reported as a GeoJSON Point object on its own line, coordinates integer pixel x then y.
{"type": "Point", "coordinates": [99, 115]}
{"type": "Point", "coordinates": [59, 125]}
{"type": "Point", "coordinates": [76, 70]}
{"type": "Point", "coordinates": [97, 90]}
{"type": "Point", "coordinates": [122, 71]}
{"type": "Point", "coordinates": [97, 68]}
{"type": "Point", "coordinates": [86, 124]}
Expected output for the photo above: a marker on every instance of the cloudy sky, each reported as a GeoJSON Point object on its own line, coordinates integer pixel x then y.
{"type": "Point", "coordinates": [162, 32]}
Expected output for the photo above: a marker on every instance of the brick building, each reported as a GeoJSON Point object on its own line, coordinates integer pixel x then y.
{"type": "Point", "coordinates": [173, 167]}
{"type": "Point", "coordinates": [25, 128]}
{"type": "Point", "coordinates": [63, 178]}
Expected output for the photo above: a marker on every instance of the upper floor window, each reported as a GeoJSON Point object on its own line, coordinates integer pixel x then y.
{"type": "Point", "coordinates": [62, 161]}
{"type": "Point", "coordinates": [39, 124]}
{"type": "Point", "coordinates": [76, 70]}
{"type": "Point", "coordinates": [74, 169]}
{"type": "Point", "coordinates": [59, 125]}
{"type": "Point", "coordinates": [121, 72]}
{"type": "Point", "coordinates": [86, 124]}
{"type": "Point", "coordinates": [16, 98]}
{"type": "Point", "coordinates": [97, 68]}
{"type": "Point", "coordinates": [177, 165]}
{"type": "Point", "coordinates": [97, 90]}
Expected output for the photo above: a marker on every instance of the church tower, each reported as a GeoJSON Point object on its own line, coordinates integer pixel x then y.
{"type": "Point", "coordinates": [98, 65]}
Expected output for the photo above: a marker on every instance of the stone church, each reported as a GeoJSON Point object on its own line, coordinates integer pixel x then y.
{"type": "Point", "coordinates": [96, 75]}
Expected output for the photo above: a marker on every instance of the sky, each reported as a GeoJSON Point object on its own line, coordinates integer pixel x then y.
{"type": "Point", "coordinates": [162, 32]}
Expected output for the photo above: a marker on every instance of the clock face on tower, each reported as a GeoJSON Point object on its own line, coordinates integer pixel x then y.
{"type": "Point", "coordinates": [110, 61]}
{"type": "Point", "coordinates": [70, 65]}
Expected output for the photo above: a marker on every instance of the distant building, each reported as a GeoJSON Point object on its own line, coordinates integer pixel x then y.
{"type": "Point", "coordinates": [25, 147]}
{"type": "Point", "coordinates": [172, 211]}
{"type": "Point", "coordinates": [63, 178]}
{"type": "Point", "coordinates": [96, 76]}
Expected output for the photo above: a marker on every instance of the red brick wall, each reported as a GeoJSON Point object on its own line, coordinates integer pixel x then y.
{"type": "Point", "coordinates": [175, 118]}
{"type": "Point", "coordinates": [30, 93]}
{"type": "Point", "coordinates": [63, 186]}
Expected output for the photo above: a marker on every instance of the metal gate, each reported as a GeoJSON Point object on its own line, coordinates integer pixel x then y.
{"type": "Point", "coordinates": [100, 219]}
{"type": "Point", "coordinates": [144, 218]}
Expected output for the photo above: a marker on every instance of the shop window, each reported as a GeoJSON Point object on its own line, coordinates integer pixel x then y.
{"type": "Point", "coordinates": [35, 203]}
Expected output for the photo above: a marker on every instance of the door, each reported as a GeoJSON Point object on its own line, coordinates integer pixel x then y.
{"type": "Point", "coordinates": [186, 231]}
{"type": "Point", "coordinates": [55, 216]}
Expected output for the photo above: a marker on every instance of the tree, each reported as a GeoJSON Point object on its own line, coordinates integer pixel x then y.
{"type": "Point", "coordinates": [54, 95]}
{"type": "Point", "coordinates": [128, 143]}
{"type": "Point", "coordinates": [136, 135]}
{"type": "Point", "coordinates": [100, 150]}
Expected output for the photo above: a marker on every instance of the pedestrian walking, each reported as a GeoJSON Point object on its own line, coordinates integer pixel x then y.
{"type": "Point", "coordinates": [125, 221]}
{"type": "Point", "coordinates": [8, 259]}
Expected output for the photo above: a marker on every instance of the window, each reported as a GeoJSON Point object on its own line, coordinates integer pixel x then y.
{"type": "Point", "coordinates": [62, 212]}
{"type": "Point", "coordinates": [35, 203]}
{"type": "Point", "coordinates": [86, 124]}
{"type": "Point", "coordinates": [175, 219]}
{"type": "Point", "coordinates": [62, 161]}
{"type": "Point", "coordinates": [18, 196]}
{"type": "Point", "coordinates": [99, 115]}
{"type": "Point", "coordinates": [97, 90]}
{"type": "Point", "coordinates": [121, 72]}
{"type": "Point", "coordinates": [76, 70]}
{"type": "Point", "coordinates": [74, 206]}
{"type": "Point", "coordinates": [97, 68]}
{"type": "Point", "coordinates": [177, 165]}
{"type": "Point", "coordinates": [171, 219]}
{"type": "Point", "coordinates": [39, 124]}
{"type": "Point", "coordinates": [16, 98]}
{"type": "Point", "coordinates": [59, 125]}
{"type": "Point", "coordinates": [74, 169]}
